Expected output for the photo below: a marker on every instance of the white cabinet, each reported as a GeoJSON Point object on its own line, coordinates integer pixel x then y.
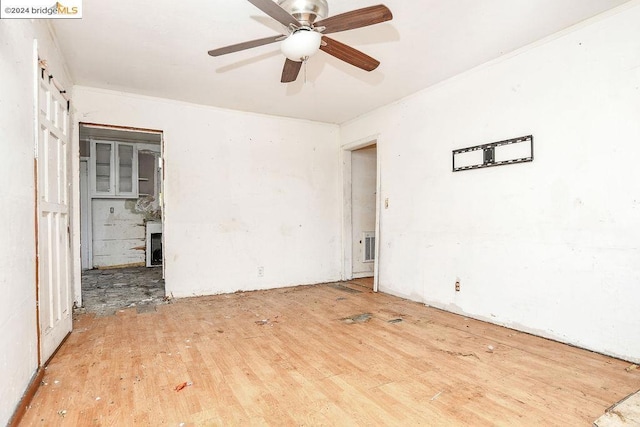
{"type": "Point", "coordinates": [113, 169]}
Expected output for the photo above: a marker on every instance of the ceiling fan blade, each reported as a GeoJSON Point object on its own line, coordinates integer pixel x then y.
{"type": "Point", "coordinates": [244, 45]}
{"type": "Point", "coordinates": [348, 54]}
{"type": "Point", "coordinates": [272, 9]}
{"type": "Point", "coordinates": [290, 71]}
{"type": "Point", "coordinates": [355, 19]}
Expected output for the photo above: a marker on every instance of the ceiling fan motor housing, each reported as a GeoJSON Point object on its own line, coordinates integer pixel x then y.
{"type": "Point", "coordinates": [306, 11]}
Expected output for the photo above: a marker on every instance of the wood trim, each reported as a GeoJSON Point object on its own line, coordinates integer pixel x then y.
{"type": "Point", "coordinates": [21, 409]}
{"type": "Point", "coordinates": [130, 128]}
{"type": "Point", "coordinates": [111, 267]}
{"type": "Point", "coordinates": [36, 202]}
{"type": "Point", "coordinates": [163, 208]}
{"type": "Point", "coordinates": [347, 205]}
{"type": "Point", "coordinates": [362, 275]}
{"type": "Point", "coordinates": [347, 216]}
{"type": "Point", "coordinates": [378, 236]}
{"type": "Point", "coordinates": [37, 237]}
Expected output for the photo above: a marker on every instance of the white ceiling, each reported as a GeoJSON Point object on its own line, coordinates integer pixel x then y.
{"type": "Point", "coordinates": [159, 48]}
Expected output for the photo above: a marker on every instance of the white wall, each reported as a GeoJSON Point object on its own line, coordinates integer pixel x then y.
{"type": "Point", "coordinates": [242, 191]}
{"type": "Point", "coordinates": [18, 339]}
{"type": "Point", "coordinates": [363, 206]}
{"type": "Point", "coordinates": [550, 247]}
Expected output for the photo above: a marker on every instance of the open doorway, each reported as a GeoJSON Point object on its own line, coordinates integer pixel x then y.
{"type": "Point", "coordinates": [121, 221]}
{"type": "Point", "coordinates": [361, 207]}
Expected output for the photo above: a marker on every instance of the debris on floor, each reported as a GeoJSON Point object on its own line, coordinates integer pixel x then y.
{"type": "Point", "coordinates": [396, 320]}
{"type": "Point", "coordinates": [489, 349]}
{"type": "Point", "coordinates": [460, 354]}
{"type": "Point", "coordinates": [262, 322]}
{"type": "Point", "coordinates": [182, 386]}
{"type": "Point", "coordinates": [436, 396]}
{"type": "Point", "coordinates": [106, 292]}
{"type": "Point", "coordinates": [357, 318]}
{"type": "Point", "coordinates": [631, 368]}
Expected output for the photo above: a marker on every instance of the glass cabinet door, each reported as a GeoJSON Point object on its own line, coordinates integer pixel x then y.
{"type": "Point", "coordinates": [113, 169]}
{"type": "Point", "coordinates": [102, 156]}
{"type": "Point", "coordinates": [127, 180]}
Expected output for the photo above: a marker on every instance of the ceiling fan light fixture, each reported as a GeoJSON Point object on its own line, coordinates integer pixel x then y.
{"type": "Point", "coordinates": [302, 44]}
{"type": "Point", "coordinates": [307, 23]}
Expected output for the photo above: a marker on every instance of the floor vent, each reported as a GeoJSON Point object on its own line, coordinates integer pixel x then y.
{"type": "Point", "coordinates": [369, 252]}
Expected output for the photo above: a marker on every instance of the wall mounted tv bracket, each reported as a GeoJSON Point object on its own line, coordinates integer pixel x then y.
{"type": "Point", "coordinates": [509, 151]}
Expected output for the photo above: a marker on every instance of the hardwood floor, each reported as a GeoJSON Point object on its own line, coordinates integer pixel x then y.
{"type": "Point", "coordinates": [309, 356]}
{"type": "Point", "coordinates": [365, 282]}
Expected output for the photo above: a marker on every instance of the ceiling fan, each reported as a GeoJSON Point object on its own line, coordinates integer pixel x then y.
{"type": "Point", "coordinates": [307, 24]}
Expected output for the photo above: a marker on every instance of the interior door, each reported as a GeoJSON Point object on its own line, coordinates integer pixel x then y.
{"type": "Point", "coordinates": [54, 248]}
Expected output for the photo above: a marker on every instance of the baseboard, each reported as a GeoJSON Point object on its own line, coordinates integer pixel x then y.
{"type": "Point", "coordinates": [363, 275]}
{"type": "Point", "coordinates": [36, 380]}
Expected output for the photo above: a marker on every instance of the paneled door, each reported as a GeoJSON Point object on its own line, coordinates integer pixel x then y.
{"type": "Point", "coordinates": [54, 243]}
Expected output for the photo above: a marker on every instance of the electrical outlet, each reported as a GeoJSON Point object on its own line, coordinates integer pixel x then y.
{"type": "Point", "coordinates": [457, 285]}
{"type": "Point", "coordinates": [260, 271]}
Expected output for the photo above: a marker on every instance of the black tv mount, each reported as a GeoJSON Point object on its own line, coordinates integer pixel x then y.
{"type": "Point", "coordinates": [489, 154]}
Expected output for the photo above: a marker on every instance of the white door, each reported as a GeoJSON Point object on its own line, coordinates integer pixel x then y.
{"type": "Point", "coordinates": [54, 249]}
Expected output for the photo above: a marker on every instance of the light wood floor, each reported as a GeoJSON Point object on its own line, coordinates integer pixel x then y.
{"type": "Point", "coordinates": [366, 282]}
{"type": "Point", "coordinates": [289, 357]}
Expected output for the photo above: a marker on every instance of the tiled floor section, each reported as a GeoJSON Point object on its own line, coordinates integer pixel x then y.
{"type": "Point", "coordinates": [624, 413]}
{"type": "Point", "coordinates": [106, 291]}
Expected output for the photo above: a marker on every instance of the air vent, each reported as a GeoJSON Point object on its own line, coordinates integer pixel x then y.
{"type": "Point", "coordinates": [369, 252]}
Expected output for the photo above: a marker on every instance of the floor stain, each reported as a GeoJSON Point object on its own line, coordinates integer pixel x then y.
{"type": "Point", "coordinates": [357, 318]}
{"type": "Point", "coordinates": [345, 289]}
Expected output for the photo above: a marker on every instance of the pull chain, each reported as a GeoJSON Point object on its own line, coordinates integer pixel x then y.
{"type": "Point", "coordinates": [304, 65]}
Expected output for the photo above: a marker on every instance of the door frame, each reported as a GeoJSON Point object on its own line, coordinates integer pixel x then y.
{"type": "Point", "coordinates": [347, 218]}
{"type": "Point", "coordinates": [86, 249]}
{"type": "Point", "coordinates": [76, 136]}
